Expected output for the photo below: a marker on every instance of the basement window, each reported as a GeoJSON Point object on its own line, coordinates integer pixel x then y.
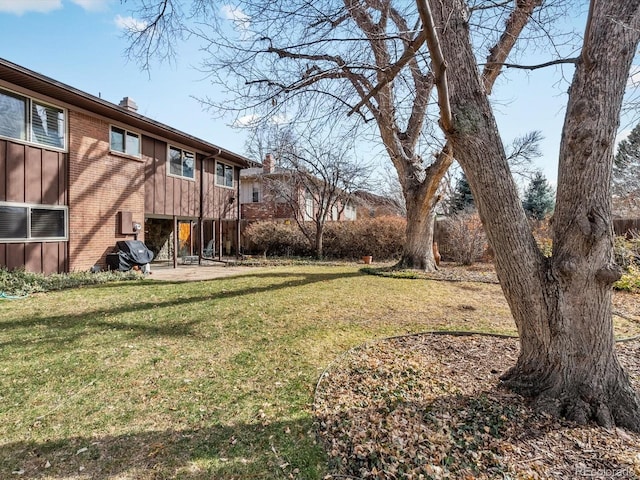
{"type": "Point", "coordinates": [25, 223]}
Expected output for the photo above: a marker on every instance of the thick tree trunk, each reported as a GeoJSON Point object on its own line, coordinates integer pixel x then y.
{"type": "Point", "coordinates": [418, 251]}
{"type": "Point", "coordinates": [562, 305]}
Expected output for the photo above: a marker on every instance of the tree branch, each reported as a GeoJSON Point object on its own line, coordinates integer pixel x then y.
{"type": "Point", "coordinates": [393, 71]}
{"type": "Point", "coordinates": [550, 63]}
{"type": "Point", "coordinates": [439, 64]}
{"type": "Point", "coordinates": [500, 51]}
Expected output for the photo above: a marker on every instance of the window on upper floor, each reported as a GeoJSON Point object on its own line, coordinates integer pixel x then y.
{"type": "Point", "coordinates": [181, 163]}
{"type": "Point", "coordinates": [123, 141]}
{"type": "Point", "coordinates": [255, 194]}
{"type": "Point", "coordinates": [25, 222]}
{"type": "Point", "coordinates": [23, 118]}
{"type": "Point", "coordinates": [224, 175]}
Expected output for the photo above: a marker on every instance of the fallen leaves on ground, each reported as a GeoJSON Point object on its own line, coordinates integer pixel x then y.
{"type": "Point", "coordinates": [429, 407]}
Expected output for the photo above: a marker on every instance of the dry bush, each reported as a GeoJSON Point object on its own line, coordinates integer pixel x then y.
{"type": "Point", "coordinates": [541, 230]}
{"type": "Point", "coordinates": [277, 238]}
{"type": "Point", "coordinates": [467, 242]}
{"type": "Point", "coordinates": [381, 237]}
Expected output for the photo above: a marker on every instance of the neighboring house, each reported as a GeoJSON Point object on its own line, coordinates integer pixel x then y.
{"type": "Point", "coordinates": [370, 205]}
{"type": "Point", "coordinates": [80, 173]}
{"type": "Point", "coordinates": [260, 198]}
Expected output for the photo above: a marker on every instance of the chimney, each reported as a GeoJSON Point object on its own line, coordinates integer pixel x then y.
{"type": "Point", "coordinates": [267, 165]}
{"type": "Point", "coordinates": [128, 104]}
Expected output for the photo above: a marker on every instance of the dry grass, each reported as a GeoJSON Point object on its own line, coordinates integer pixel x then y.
{"type": "Point", "coordinates": [200, 380]}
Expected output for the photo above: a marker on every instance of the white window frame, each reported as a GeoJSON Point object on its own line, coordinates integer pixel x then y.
{"type": "Point", "coordinates": [29, 134]}
{"type": "Point", "coordinates": [182, 156]}
{"type": "Point", "coordinates": [233, 175]}
{"type": "Point", "coordinates": [31, 206]}
{"type": "Point", "coordinates": [126, 132]}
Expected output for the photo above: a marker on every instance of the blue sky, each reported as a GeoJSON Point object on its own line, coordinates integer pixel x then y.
{"type": "Point", "coordinates": [80, 43]}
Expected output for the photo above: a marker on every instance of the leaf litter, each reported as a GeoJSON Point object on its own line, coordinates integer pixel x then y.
{"type": "Point", "coordinates": [430, 407]}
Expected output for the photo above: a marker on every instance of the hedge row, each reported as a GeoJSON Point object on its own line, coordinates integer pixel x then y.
{"type": "Point", "coordinates": [381, 237]}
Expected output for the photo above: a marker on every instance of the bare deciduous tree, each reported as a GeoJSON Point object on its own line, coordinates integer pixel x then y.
{"type": "Point", "coordinates": [329, 59]}
{"type": "Point", "coordinates": [561, 304]}
{"type": "Point", "coordinates": [316, 178]}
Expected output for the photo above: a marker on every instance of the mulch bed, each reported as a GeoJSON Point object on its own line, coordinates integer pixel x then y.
{"type": "Point", "coordinates": [429, 407]}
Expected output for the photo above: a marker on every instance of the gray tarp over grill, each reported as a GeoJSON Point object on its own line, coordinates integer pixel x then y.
{"type": "Point", "coordinates": [131, 253]}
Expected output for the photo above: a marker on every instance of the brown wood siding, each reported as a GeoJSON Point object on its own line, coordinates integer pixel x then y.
{"type": "Point", "coordinates": [15, 172]}
{"type": "Point", "coordinates": [33, 257]}
{"type": "Point", "coordinates": [3, 170]}
{"type": "Point", "coordinates": [15, 255]}
{"type": "Point", "coordinates": [33, 175]}
{"type": "Point", "coordinates": [51, 194]}
{"type": "Point", "coordinates": [166, 194]}
{"type": "Point", "coordinates": [63, 187]}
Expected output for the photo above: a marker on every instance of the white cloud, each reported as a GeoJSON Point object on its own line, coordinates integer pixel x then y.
{"type": "Point", "coordinates": [18, 7]}
{"type": "Point", "coordinates": [241, 20]}
{"type": "Point", "coordinates": [129, 24]}
{"type": "Point", "coordinates": [246, 121]}
{"type": "Point", "coordinates": [279, 119]}
{"type": "Point", "coordinates": [92, 5]}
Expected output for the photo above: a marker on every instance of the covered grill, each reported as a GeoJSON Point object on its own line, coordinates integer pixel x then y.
{"type": "Point", "coordinates": [128, 254]}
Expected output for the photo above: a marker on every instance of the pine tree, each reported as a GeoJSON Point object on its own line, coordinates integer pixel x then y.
{"type": "Point", "coordinates": [539, 199]}
{"type": "Point", "coordinates": [462, 197]}
{"type": "Point", "coordinates": [626, 168]}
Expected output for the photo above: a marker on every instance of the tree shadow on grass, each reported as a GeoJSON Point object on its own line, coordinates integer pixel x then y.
{"type": "Point", "coordinates": [95, 319]}
{"type": "Point", "coordinates": [222, 452]}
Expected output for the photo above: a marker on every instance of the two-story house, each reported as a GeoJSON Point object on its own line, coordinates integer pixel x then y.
{"type": "Point", "coordinates": [262, 196]}
{"type": "Point", "coordinates": [78, 174]}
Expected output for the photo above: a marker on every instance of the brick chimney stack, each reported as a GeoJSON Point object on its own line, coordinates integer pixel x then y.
{"type": "Point", "coordinates": [267, 165]}
{"type": "Point", "coordinates": [128, 104]}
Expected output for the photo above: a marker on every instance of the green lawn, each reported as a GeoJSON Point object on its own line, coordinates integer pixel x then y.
{"type": "Point", "coordinates": [204, 380]}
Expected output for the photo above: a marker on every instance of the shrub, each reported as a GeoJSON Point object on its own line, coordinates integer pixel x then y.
{"type": "Point", "coordinates": [630, 280]}
{"type": "Point", "coordinates": [627, 254]}
{"type": "Point", "coordinates": [627, 251]}
{"type": "Point", "coordinates": [20, 283]}
{"type": "Point", "coordinates": [542, 233]}
{"type": "Point", "coordinates": [381, 237]}
{"type": "Point", "coordinates": [465, 237]}
{"type": "Point", "coordinates": [277, 238]}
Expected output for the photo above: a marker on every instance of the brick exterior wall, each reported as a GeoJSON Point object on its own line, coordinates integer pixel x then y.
{"type": "Point", "coordinates": [265, 211]}
{"type": "Point", "coordinates": [101, 184]}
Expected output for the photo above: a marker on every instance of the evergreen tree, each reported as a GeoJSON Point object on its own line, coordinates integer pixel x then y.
{"type": "Point", "coordinates": [462, 197]}
{"type": "Point", "coordinates": [626, 168]}
{"type": "Point", "coordinates": [539, 199]}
